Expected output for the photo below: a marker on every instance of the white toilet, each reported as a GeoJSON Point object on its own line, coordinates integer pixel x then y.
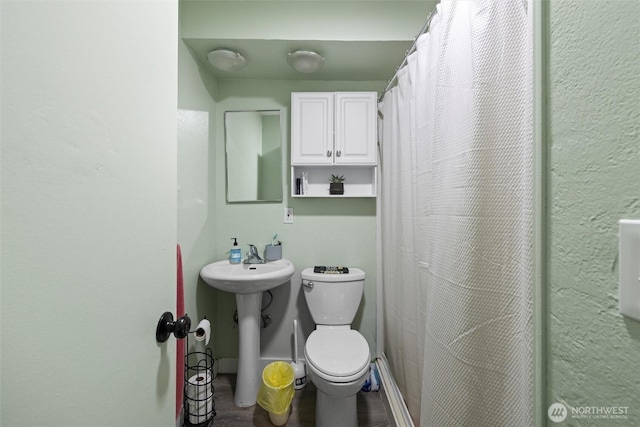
{"type": "Point", "coordinates": [337, 356]}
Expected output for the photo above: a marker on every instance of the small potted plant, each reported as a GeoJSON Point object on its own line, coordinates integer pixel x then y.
{"type": "Point", "coordinates": [336, 184]}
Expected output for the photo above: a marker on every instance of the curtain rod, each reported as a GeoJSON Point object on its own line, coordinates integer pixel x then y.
{"type": "Point", "coordinates": [412, 49]}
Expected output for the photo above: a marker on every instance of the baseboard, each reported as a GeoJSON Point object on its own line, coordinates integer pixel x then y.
{"type": "Point", "coordinates": [229, 365]}
{"type": "Point", "coordinates": [392, 397]}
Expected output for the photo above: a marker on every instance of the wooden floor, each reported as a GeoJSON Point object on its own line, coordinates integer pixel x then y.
{"type": "Point", "coordinates": [371, 408]}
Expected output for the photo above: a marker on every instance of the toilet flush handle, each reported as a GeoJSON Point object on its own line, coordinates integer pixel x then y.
{"type": "Point", "coordinates": [307, 284]}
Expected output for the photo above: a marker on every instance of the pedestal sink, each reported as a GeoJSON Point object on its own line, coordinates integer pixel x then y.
{"type": "Point", "coordinates": [247, 281]}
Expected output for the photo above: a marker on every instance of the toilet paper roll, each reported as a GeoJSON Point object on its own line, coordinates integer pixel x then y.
{"type": "Point", "coordinates": [199, 386]}
{"type": "Point", "coordinates": [203, 331]}
{"type": "Point", "coordinates": [200, 410]}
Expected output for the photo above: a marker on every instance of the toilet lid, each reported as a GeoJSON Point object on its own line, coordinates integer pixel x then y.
{"type": "Point", "coordinates": [337, 352]}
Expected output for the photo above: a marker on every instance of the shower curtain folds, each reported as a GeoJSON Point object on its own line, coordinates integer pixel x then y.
{"type": "Point", "coordinates": [424, 30]}
{"type": "Point", "coordinates": [457, 218]}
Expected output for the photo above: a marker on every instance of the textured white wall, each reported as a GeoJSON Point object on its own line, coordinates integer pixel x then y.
{"type": "Point", "coordinates": [593, 181]}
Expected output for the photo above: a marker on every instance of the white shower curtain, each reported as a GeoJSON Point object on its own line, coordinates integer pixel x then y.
{"type": "Point", "coordinates": [457, 220]}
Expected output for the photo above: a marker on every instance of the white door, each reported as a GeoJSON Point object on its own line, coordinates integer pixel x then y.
{"type": "Point", "coordinates": [355, 128]}
{"type": "Point", "coordinates": [88, 131]}
{"type": "Point", "coordinates": [312, 128]}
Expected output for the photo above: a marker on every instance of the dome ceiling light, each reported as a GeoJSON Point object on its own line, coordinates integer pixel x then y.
{"type": "Point", "coordinates": [305, 61]}
{"type": "Point", "coordinates": [227, 60]}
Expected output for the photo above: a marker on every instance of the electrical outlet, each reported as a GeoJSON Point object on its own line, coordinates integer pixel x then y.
{"type": "Point", "coordinates": [288, 216]}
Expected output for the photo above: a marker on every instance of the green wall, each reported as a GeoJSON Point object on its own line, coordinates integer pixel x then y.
{"type": "Point", "coordinates": [325, 231]}
{"type": "Point", "coordinates": [196, 181]}
{"type": "Point", "coordinates": [593, 181]}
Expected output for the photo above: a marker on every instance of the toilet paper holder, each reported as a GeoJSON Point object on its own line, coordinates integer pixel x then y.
{"type": "Point", "coordinates": [167, 326]}
{"type": "Point", "coordinates": [198, 401]}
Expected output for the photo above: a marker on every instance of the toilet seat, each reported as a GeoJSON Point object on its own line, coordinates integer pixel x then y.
{"type": "Point", "coordinates": [338, 355]}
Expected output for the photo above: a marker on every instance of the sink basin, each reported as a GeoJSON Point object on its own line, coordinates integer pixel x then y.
{"type": "Point", "coordinates": [247, 278]}
{"type": "Point", "coordinates": [247, 281]}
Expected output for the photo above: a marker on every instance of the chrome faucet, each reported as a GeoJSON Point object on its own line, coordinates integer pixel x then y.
{"type": "Point", "coordinates": [253, 257]}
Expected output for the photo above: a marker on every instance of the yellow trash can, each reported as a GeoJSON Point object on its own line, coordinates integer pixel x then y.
{"type": "Point", "coordinates": [276, 391]}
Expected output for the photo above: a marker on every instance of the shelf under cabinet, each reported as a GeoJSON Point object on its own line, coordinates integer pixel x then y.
{"type": "Point", "coordinates": [360, 181]}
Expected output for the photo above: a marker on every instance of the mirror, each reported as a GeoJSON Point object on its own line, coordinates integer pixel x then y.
{"type": "Point", "coordinates": [253, 147]}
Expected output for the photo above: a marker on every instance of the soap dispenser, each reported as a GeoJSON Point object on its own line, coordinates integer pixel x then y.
{"type": "Point", "coordinates": [235, 254]}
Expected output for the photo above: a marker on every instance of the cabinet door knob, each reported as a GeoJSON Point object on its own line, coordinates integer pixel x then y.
{"type": "Point", "coordinates": [328, 153]}
{"type": "Point", "coordinates": [338, 153]}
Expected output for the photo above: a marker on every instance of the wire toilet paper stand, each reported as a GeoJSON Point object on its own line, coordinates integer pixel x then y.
{"type": "Point", "coordinates": [199, 406]}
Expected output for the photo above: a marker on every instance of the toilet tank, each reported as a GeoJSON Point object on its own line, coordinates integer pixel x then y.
{"type": "Point", "coordinates": [333, 299]}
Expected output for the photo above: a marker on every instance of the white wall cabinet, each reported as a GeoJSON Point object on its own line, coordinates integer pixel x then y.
{"type": "Point", "coordinates": [334, 133]}
{"type": "Point", "coordinates": [312, 118]}
{"type": "Point", "coordinates": [333, 128]}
